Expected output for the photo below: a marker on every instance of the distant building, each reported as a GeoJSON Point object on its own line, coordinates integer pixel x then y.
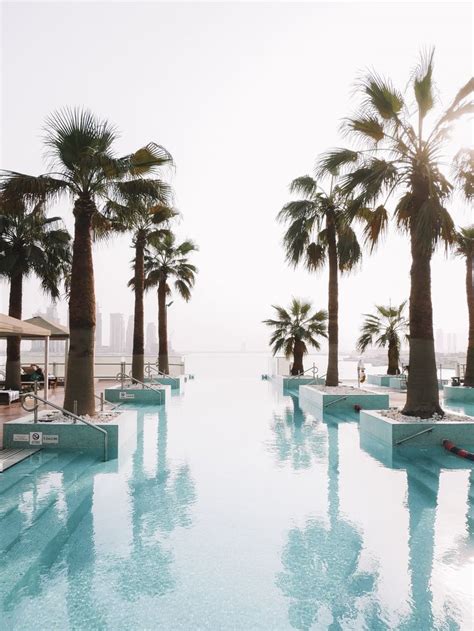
{"type": "Point", "coordinates": [129, 335]}
{"type": "Point", "coordinates": [151, 339]}
{"type": "Point", "coordinates": [55, 346]}
{"type": "Point", "coordinates": [98, 328]}
{"type": "Point", "coordinates": [452, 344]}
{"type": "Point", "coordinates": [117, 333]}
{"type": "Point", "coordinates": [439, 342]}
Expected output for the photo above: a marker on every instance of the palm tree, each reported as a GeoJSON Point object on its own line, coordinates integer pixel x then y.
{"type": "Point", "coordinates": [167, 261]}
{"type": "Point", "coordinates": [30, 244]}
{"type": "Point", "coordinates": [385, 328]}
{"type": "Point", "coordinates": [295, 330]}
{"type": "Point", "coordinates": [85, 166]}
{"type": "Point", "coordinates": [397, 153]}
{"type": "Point", "coordinates": [464, 246]}
{"type": "Point", "coordinates": [146, 217]}
{"type": "Point", "coordinates": [318, 232]}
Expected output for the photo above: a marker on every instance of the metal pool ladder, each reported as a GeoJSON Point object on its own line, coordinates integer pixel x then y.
{"type": "Point", "coordinates": [76, 418]}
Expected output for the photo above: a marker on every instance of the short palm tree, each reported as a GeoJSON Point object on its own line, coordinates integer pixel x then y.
{"type": "Point", "coordinates": [385, 327]}
{"type": "Point", "coordinates": [30, 244]}
{"type": "Point", "coordinates": [147, 218]}
{"type": "Point", "coordinates": [84, 166]}
{"type": "Point", "coordinates": [397, 153]}
{"type": "Point", "coordinates": [167, 263]}
{"type": "Point", "coordinates": [295, 330]}
{"type": "Point", "coordinates": [464, 247]}
{"type": "Point", "coordinates": [318, 233]}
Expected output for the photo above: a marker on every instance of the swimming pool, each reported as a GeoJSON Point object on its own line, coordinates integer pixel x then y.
{"type": "Point", "coordinates": [233, 508]}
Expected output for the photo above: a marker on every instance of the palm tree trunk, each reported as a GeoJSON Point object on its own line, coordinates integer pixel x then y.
{"type": "Point", "coordinates": [332, 375]}
{"type": "Point", "coordinates": [80, 368]}
{"type": "Point", "coordinates": [162, 329]}
{"type": "Point", "coordinates": [469, 374]}
{"type": "Point", "coordinates": [422, 386]}
{"type": "Point", "coordinates": [13, 365]}
{"type": "Point", "coordinates": [393, 359]}
{"type": "Point", "coordinates": [298, 352]}
{"type": "Point", "coordinates": [138, 352]}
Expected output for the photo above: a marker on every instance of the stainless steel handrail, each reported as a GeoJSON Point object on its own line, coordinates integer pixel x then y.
{"type": "Point", "coordinates": [335, 401]}
{"type": "Point", "coordinates": [66, 413]}
{"type": "Point", "coordinates": [423, 431]}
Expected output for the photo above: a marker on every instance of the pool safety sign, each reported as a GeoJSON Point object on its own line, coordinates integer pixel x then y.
{"type": "Point", "coordinates": [36, 438]}
{"type": "Point", "coordinates": [126, 395]}
{"type": "Point", "coordinates": [50, 439]}
{"type": "Point", "coordinates": [21, 438]}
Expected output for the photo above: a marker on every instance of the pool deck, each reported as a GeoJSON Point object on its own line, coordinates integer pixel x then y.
{"type": "Point", "coordinates": [14, 410]}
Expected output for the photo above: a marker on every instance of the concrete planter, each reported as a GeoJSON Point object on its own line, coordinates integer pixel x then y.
{"type": "Point", "coordinates": [293, 383]}
{"type": "Point", "coordinates": [389, 431]}
{"type": "Point", "coordinates": [459, 393]}
{"type": "Point", "coordinates": [332, 402]}
{"type": "Point", "coordinates": [175, 383]}
{"type": "Point", "coordinates": [155, 396]}
{"type": "Point", "coordinates": [23, 432]}
{"type": "Point", "coordinates": [379, 380]}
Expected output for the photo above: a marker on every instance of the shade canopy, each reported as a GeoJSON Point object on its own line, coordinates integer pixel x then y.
{"type": "Point", "coordinates": [11, 327]}
{"type": "Point", "coordinates": [57, 331]}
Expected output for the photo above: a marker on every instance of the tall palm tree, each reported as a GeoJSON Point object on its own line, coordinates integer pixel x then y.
{"type": "Point", "coordinates": [318, 233]}
{"type": "Point", "coordinates": [85, 166]}
{"type": "Point", "coordinates": [384, 328]}
{"type": "Point", "coordinates": [30, 244]}
{"type": "Point", "coordinates": [397, 153]}
{"type": "Point", "coordinates": [295, 330]}
{"type": "Point", "coordinates": [147, 218]}
{"type": "Point", "coordinates": [464, 246]}
{"type": "Point", "coordinates": [167, 262]}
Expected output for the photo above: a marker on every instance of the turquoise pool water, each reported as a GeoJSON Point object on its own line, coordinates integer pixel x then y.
{"type": "Point", "coordinates": [235, 509]}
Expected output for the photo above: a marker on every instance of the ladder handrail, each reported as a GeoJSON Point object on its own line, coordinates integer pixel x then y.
{"type": "Point", "coordinates": [423, 431]}
{"type": "Point", "coordinates": [66, 413]}
{"type": "Point", "coordinates": [336, 400]}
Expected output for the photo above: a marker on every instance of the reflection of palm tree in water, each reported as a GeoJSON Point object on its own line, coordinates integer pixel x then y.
{"type": "Point", "coordinates": [159, 504]}
{"type": "Point", "coordinates": [295, 441]}
{"type": "Point", "coordinates": [422, 495]}
{"type": "Point", "coordinates": [321, 574]}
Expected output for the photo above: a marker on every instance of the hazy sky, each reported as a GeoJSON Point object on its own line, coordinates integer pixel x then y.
{"type": "Point", "coordinates": [245, 96]}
